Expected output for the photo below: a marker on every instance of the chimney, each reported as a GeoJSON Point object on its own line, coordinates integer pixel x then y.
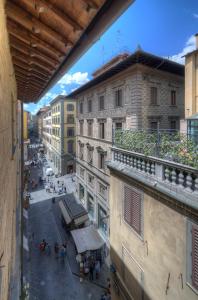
{"type": "Point", "coordinates": [196, 37]}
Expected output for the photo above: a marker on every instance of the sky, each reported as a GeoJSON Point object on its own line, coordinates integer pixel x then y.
{"type": "Point", "coordinates": [162, 27]}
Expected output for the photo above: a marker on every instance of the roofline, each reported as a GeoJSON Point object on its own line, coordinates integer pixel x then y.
{"type": "Point", "coordinates": [125, 64]}
{"type": "Point", "coordinates": [109, 12]}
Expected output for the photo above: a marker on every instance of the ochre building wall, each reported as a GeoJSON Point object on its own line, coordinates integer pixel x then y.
{"type": "Point", "coordinates": [10, 165]}
{"type": "Point", "coordinates": [144, 263]}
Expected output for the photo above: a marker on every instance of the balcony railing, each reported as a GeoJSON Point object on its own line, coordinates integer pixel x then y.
{"type": "Point", "coordinates": [166, 144]}
{"type": "Point", "coordinates": [178, 175]}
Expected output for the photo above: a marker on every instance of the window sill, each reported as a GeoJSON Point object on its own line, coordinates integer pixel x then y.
{"type": "Point", "coordinates": [154, 104]}
{"type": "Point", "coordinates": [192, 288]}
{"type": "Point", "coordinates": [173, 106]}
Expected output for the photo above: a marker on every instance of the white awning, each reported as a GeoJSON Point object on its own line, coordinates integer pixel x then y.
{"type": "Point", "coordinates": [87, 238]}
{"type": "Point", "coordinates": [65, 213]}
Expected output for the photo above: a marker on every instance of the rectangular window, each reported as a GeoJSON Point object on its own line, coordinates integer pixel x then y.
{"type": "Point", "coordinates": [81, 191]}
{"type": "Point", "coordinates": [90, 156]}
{"type": "Point", "coordinates": [173, 125]}
{"type": "Point", "coordinates": [102, 189]}
{"type": "Point", "coordinates": [70, 107]}
{"type": "Point", "coordinates": [101, 103]}
{"type": "Point", "coordinates": [101, 130]}
{"type": "Point", "coordinates": [118, 98]}
{"type": "Point", "coordinates": [90, 206]}
{"type": "Point", "coordinates": [89, 105]}
{"type": "Point", "coordinates": [70, 119]}
{"type": "Point", "coordinates": [81, 154]}
{"type": "Point", "coordinates": [90, 128]}
{"type": "Point", "coordinates": [153, 95]}
{"type": "Point", "coordinates": [153, 125]}
{"type": "Point", "coordinates": [70, 147]}
{"type": "Point", "coordinates": [70, 131]}
{"type": "Point", "coordinates": [90, 179]}
{"type": "Point", "coordinates": [82, 173]}
{"type": "Point", "coordinates": [118, 125]}
{"type": "Point", "coordinates": [81, 107]}
{"type": "Point", "coordinates": [81, 128]}
{"type": "Point", "coordinates": [102, 220]}
{"type": "Point", "coordinates": [133, 209]}
{"type": "Point", "coordinates": [173, 98]}
{"type": "Point", "coordinates": [101, 161]}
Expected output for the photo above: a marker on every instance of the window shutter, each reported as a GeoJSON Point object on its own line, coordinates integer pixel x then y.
{"type": "Point", "coordinates": [127, 205]}
{"type": "Point", "coordinates": [136, 211]}
{"type": "Point", "coordinates": [195, 255]}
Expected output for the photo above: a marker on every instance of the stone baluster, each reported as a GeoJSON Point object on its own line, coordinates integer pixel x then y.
{"type": "Point", "coordinates": [143, 165]}
{"type": "Point", "coordinates": [139, 164]}
{"type": "Point", "coordinates": [196, 185]}
{"type": "Point", "coordinates": [166, 175]}
{"type": "Point", "coordinates": [174, 176]}
{"type": "Point", "coordinates": [181, 179]}
{"type": "Point", "coordinates": [148, 167]}
{"type": "Point", "coordinates": [189, 183]}
{"type": "Point", "coordinates": [153, 168]}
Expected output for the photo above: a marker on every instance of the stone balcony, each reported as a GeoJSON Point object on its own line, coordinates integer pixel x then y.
{"type": "Point", "coordinates": [173, 179]}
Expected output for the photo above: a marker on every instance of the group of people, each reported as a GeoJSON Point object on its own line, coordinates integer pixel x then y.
{"type": "Point", "coordinates": [59, 250]}
{"type": "Point", "coordinates": [56, 188]}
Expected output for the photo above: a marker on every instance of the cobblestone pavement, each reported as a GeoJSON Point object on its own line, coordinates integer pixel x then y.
{"type": "Point", "coordinates": [48, 277]}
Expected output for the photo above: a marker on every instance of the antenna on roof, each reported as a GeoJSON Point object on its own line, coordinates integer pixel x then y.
{"type": "Point", "coordinates": [139, 48]}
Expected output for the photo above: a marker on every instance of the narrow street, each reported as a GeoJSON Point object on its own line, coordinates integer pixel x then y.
{"type": "Point", "coordinates": [49, 278]}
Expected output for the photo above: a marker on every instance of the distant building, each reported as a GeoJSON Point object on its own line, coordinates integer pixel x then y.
{"type": "Point", "coordinates": [63, 140]}
{"type": "Point", "coordinates": [47, 132]}
{"type": "Point", "coordinates": [25, 124]}
{"type": "Point", "coordinates": [130, 92]}
{"type": "Point", "coordinates": [40, 115]}
{"type": "Point", "coordinates": [191, 92]}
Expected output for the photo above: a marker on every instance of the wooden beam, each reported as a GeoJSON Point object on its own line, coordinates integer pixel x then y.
{"type": "Point", "coordinates": [26, 58]}
{"type": "Point", "coordinates": [28, 67]}
{"type": "Point", "coordinates": [25, 19]}
{"type": "Point", "coordinates": [33, 72]}
{"type": "Point", "coordinates": [27, 37]}
{"type": "Point", "coordinates": [61, 15]}
{"type": "Point", "coordinates": [91, 3]}
{"type": "Point", "coordinates": [28, 81]}
{"type": "Point", "coordinates": [26, 49]}
{"type": "Point", "coordinates": [30, 78]}
{"type": "Point", "coordinates": [18, 70]}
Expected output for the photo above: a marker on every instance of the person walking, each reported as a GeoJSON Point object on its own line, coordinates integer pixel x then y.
{"type": "Point", "coordinates": [48, 249]}
{"type": "Point", "coordinates": [56, 249]}
{"type": "Point", "coordinates": [97, 269]}
{"type": "Point", "coordinates": [91, 271]}
{"type": "Point", "coordinates": [65, 190]}
{"type": "Point", "coordinates": [62, 253]}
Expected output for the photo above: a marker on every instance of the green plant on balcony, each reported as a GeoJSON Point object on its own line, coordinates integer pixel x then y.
{"type": "Point", "coordinates": [171, 146]}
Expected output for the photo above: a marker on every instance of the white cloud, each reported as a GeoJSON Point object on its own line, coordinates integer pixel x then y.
{"type": "Point", "coordinates": [195, 16]}
{"type": "Point", "coordinates": [78, 78]}
{"type": "Point", "coordinates": [26, 106]}
{"type": "Point", "coordinates": [63, 92]}
{"type": "Point", "coordinates": [189, 47]}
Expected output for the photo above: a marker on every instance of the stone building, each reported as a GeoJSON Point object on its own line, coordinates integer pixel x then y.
{"type": "Point", "coordinates": [47, 132]}
{"type": "Point", "coordinates": [139, 91]}
{"type": "Point", "coordinates": [40, 115]}
{"type": "Point", "coordinates": [154, 228]}
{"type": "Point", "coordinates": [63, 141]}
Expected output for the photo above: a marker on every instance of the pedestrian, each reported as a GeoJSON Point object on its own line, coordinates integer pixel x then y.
{"type": "Point", "coordinates": [58, 182]}
{"type": "Point", "coordinates": [97, 269]}
{"type": "Point", "coordinates": [56, 249]}
{"type": "Point", "coordinates": [65, 190]}
{"type": "Point", "coordinates": [54, 189]}
{"type": "Point", "coordinates": [62, 253]}
{"type": "Point", "coordinates": [91, 271]}
{"type": "Point", "coordinates": [48, 249]}
{"type": "Point", "coordinates": [109, 286]}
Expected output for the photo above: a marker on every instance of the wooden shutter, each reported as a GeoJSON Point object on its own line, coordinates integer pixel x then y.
{"type": "Point", "coordinates": [132, 209]}
{"type": "Point", "coordinates": [195, 256]}
{"type": "Point", "coordinates": [136, 211]}
{"type": "Point", "coordinates": [127, 205]}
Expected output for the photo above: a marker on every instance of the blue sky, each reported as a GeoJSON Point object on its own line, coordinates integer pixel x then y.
{"type": "Point", "coordinates": [162, 27]}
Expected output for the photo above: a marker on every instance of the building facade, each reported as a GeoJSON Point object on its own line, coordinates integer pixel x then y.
{"type": "Point", "coordinates": [128, 95]}
{"type": "Point", "coordinates": [40, 115]}
{"type": "Point", "coordinates": [63, 113]}
{"type": "Point", "coordinates": [154, 228]}
{"type": "Point", "coordinates": [47, 132]}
